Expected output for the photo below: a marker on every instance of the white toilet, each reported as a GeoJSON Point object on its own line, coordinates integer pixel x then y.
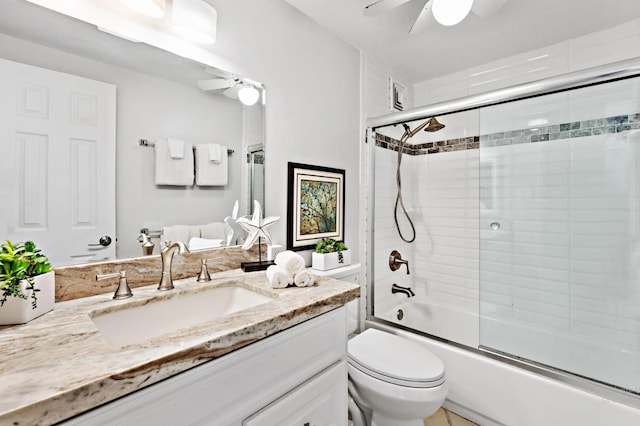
{"type": "Point", "coordinates": [393, 381]}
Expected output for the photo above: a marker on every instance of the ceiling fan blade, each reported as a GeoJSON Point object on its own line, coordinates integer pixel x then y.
{"type": "Point", "coordinates": [218, 72]}
{"type": "Point", "coordinates": [424, 20]}
{"type": "Point", "coordinates": [215, 84]}
{"type": "Point", "coordinates": [381, 6]}
{"type": "Point", "coordinates": [232, 92]}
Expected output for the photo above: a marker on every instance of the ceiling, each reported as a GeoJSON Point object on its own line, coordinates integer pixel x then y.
{"type": "Point", "coordinates": [519, 26]}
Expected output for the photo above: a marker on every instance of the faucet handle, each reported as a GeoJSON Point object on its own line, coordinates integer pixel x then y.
{"type": "Point", "coordinates": [204, 272]}
{"type": "Point", "coordinates": [123, 291]}
{"type": "Point", "coordinates": [396, 260]}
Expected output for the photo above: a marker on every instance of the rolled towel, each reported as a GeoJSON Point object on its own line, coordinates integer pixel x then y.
{"type": "Point", "coordinates": [290, 261]}
{"type": "Point", "coordinates": [303, 279]}
{"type": "Point", "coordinates": [278, 277]}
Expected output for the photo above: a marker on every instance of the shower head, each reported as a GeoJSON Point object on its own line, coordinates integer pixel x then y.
{"type": "Point", "coordinates": [434, 125]}
{"type": "Point", "coordinates": [430, 125]}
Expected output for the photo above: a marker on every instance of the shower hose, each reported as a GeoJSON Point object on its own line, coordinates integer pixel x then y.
{"type": "Point", "coordinates": [399, 201]}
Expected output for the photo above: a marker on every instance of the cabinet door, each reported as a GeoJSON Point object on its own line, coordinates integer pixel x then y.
{"type": "Point", "coordinates": [321, 401]}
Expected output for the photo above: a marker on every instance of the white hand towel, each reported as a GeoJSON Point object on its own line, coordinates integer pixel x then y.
{"type": "Point", "coordinates": [175, 233]}
{"type": "Point", "coordinates": [215, 152]}
{"type": "Point", "coordinates": [209, 173]}
{"type": "Point", "coordinates": [176, 148]}
{"type": "Point", "coordinates": [290, 261]}
{"type": "Point", "coordinates": [278, 277]}
{"type": "Point", "coordinates": [303, 279]}
{"type": "Point", "coordinates": [197, 243]}
{"type": "Point", "coordinates": [173, 171]}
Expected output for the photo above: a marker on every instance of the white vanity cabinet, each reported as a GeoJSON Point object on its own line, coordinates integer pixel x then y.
{"type": "Point", "coordinates": [295, 377]}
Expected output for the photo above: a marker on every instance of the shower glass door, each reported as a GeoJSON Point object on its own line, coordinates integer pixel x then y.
{"type": "Point", "coordinates": [439, 171]}
{"type": "Point", "coordinates": [559, 188]}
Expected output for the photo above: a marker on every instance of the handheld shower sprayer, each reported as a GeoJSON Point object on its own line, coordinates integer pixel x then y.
{"type": "Point", "coordinates": [429, 125]}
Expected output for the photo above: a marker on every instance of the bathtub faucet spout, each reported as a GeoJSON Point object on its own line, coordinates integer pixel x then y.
{"type": "Point", "coordinates": [395, 288]}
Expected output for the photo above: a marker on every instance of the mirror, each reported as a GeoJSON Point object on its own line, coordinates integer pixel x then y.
{"type": "Point", "coordinates": [158, 95]}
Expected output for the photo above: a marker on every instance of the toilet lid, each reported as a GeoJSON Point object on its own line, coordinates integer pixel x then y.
{"type": "Point", "coordinates": [395, 359]}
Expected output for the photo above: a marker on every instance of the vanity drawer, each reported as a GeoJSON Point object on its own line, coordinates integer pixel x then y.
{"type": "Point", "coordinates": [322, 401]}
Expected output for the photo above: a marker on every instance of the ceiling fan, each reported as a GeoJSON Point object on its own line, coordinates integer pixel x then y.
{"type": "Point", "coordinates": [227, 82]}
{"type": "Point", "coordinates": [446, 12]}
{"type": "Point", "coordinates": [234, 87]}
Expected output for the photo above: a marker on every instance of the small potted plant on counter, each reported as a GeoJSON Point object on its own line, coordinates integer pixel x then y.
{"type": "Point", "coordinates": [27, 283]}
{"type": "Point", "coordinates": [330, 254]}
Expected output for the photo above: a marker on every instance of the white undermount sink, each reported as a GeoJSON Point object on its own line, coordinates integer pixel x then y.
{"type": "Point", "coordinates": [157, 317]}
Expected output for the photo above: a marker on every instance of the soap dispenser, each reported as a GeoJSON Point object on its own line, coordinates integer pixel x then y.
{"type": "Point", "coordinates": [147, 244]}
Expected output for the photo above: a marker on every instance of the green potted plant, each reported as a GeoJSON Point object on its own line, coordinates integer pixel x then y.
{"type": "Point", "coordinates": [27, 283]}
{"type": "Point", "coordinates": [330, 254]}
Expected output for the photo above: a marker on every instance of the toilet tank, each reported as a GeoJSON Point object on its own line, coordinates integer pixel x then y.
{"type": "Point", "coordinates": [351, 274]}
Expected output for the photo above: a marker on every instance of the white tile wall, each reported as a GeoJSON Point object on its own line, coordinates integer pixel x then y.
{"type": "Point", "coordinates": [565, 258]}
{"type": "Point", "coordinates": [563, 264]}
{"type": "Point", "coordinates": [598, 48]}
{"type": "Point", "coordinates": [386, 237]}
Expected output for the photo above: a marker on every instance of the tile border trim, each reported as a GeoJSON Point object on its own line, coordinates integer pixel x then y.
{"type": "Point", "coordinates": [569, 130]}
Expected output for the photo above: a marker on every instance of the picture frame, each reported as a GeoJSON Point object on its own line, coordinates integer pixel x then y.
{"type": "Point", "coordinates": [315, 205]}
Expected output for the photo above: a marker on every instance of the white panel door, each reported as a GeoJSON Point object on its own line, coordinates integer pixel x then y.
{"type": "Point", "coordinates": [57, 156]}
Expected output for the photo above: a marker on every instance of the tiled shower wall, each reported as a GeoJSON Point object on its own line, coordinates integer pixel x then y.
{"type": "Point", "coordinates": [566, 199]}
{"type": "Point", "coordinates": [446, 181]}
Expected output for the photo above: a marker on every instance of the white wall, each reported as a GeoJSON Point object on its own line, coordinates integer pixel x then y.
{"type": "Point", "coordinates": [312, 81]}
{"type": "Point", "coordinates": [150, 108]}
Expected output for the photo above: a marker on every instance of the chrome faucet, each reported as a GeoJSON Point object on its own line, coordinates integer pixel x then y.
{"type": "Point", "coordinates": [166, 282]}
{"type": "Point", "coordinates": [395, 288]}
{"type": "Point", "coordinates": [396, 260]}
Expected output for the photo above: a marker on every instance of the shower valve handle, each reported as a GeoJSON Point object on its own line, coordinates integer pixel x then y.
{"type": "Point", "coordinates": [396, 260]}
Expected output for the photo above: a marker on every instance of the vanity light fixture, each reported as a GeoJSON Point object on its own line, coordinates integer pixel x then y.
{"type": "Point", "coordinates": [248, 94]}
{"type": "Point", "coordinates": [195, 20]}
{"type": "Point", "coordinates": [451, 12]}
{"type": "Point", "coordinates": [151, 8]}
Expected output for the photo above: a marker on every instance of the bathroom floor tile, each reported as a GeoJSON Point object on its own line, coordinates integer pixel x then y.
{"type": "Point", "coordinates": [444, 417]}
{"type": "Point", "coordinates": [456, 420]}
{"type": "Point", "coordinates": [439, 418]}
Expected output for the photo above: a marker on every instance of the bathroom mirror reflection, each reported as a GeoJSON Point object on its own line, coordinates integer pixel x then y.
{"type": "Point", "coordinates": [120, 91]}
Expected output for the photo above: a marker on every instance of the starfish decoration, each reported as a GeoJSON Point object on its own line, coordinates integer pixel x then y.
{"type": "Point", "coordinates": [234, 230]}
{"type": "Point", "coordinates": [256, 227]}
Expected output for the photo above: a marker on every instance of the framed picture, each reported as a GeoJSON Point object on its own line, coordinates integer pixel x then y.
{"type": "Point", "coordinates": [315, 205]}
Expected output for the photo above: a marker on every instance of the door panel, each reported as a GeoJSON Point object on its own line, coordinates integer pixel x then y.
{"type": "Point", "coordinates": [57, 133]}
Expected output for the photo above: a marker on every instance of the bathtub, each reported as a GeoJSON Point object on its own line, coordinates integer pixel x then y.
{"type": "Point", "coordinates": [492, 392]}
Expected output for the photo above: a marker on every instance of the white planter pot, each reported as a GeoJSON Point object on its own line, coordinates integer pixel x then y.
{"type": "Point", "coordinates": [326, 261]}
{"type": "Point", "coordinates": [19, 311]}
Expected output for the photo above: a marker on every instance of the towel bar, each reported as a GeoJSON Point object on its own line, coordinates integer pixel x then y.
{"type": "Point", "coordinates": [151, 234]}
{"type": "Point", "coordinates": [147, 142]}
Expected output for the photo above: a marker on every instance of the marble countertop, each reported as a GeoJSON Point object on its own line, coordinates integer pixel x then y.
{"type": "Point", "coordinates": [59, 365]}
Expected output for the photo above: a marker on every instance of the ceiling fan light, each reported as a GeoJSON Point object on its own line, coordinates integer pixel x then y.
{"type": "Point", "coordinates": [151, 8]}
{"type": "Point", "coordinates": [248, 95]}
{"type": "Point", "coordinates": [195, 20]}
{"type": "Point", "coordinates": [451, 12]}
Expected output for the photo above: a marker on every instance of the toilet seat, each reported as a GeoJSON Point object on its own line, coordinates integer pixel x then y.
{"type": "Point", "coordinates": [395, 360]}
